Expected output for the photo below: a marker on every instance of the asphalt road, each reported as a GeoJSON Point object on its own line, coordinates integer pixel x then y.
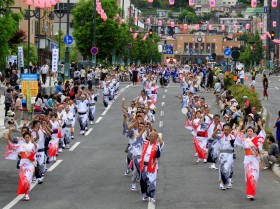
{"type": "Point", "coordinates": [92, 176]}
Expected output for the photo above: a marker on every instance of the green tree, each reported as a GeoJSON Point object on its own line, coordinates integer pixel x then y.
{"type": "Point", "coordinates": [189, 17]}
{"type": "Point", "coordinates": [33, 54]}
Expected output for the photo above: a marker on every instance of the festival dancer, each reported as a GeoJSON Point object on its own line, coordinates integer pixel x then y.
{"type": "Point", "coordinates": [83, 116]}
{"type": "Point", "coordinates": [27, 152]}
{"type": "Point", "coordinates": [93, 98]}
{"type": "Point", "coordinates": [252, 146]}
{"type": "Point", "coordinates": [53, 143]}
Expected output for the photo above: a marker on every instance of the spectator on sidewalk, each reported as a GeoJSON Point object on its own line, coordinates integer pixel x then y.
{"type": "Point", "coordinates": [62, 72]}
{"type": "Point", "coordinates": [242, 76]}
{"type": "Point", "coordinates": [8, 100]}
{"type": "Point", "coordinates": [83, 75]}
{"type": "Point", "coordinates": [247, 106]}
{"type": "Point", "coordinates": [18, 110]}
{"type": "Point", "coordinates": [14, 78]}
{"type": "Point", "coordinates": [253, 84]}
{"type": "Point", "coordinates": [265, 87]}
{"type": "Point", "coordinates": [270, 157]}
{"type": "Point", "coordinates": [277, 126]}
{"type": "Point", "coordinates": [44, 71]}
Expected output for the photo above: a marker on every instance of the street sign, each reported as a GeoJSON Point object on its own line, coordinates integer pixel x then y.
{"type": "Point", "coordinates": [235, 55]}
{"type": "Point", "coordinates": [129, 45]}
{"type": "Point", "coordinates": [227, 52]}
{"type": "Point", "coordinates": [68, 39]}
{"type": "Point", "coordinates": [94, 50]}
{"type": "Point", "coordinates": [265, 9]}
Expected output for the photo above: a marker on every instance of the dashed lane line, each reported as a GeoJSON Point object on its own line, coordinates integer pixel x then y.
{"type": "Point", "coordinates": [74, 146]}
{"type": "Point", "coordinates": [98, 120]}
{"type": "Point", "coordinates": [54, 165]}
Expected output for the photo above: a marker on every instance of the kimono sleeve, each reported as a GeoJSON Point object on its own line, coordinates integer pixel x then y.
{"type": "Point", "coordinates": [12, 151]}
{"type": "Point", "coordinates": [239, 139]}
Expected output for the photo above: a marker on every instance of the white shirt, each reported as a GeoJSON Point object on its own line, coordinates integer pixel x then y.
{"type": "Point", "coordinates": [83, 73]}
{"type": "Point", "coordinates": [45, 69]}
{"type": "Point", "coordinates": [241, 74]}
{"type": "Point", "coordinates": [83, 106]}
{"type": "Point", "coordinates": [41, 141]}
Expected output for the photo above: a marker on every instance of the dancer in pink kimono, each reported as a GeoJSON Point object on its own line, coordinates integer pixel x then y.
{"type": "Point", "coordinates": [27, 151]}
{"type": "Point", "coordinates": [252, 146]}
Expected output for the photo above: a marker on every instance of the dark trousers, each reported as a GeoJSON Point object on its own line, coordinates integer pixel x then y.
{"type": "Point", "coordinates": [7, 108]}
{"type": "Point", "coordinates": [44, 78]}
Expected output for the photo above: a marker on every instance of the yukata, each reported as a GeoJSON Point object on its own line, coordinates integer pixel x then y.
{"type": "Point", "coordinates": [53, 143]}
{"type": "Point", "coordinates": [200, 138]}
{"type": "Point", "coordinates": [69, 120]}
{"type": "Point", "coordinates": [40, 154]}
{"type": "Point", "coordinates": [149, 166]}
{"type": "Point", "coordinates": [214, 142]}
{"type": "Point", "coordinates": [61, 143]}
{"type": "Point", "coordinates": [106, 94]}
{"type": "Point", "coordinates": [83, 114]}
{"type": "Point", "coordinates": [112, 90]}
{"type": "Point", "coordinates": [92, 107]}
{"type": "Point", "coordinates": [153, 95]}
{"type": "Point", "coordinates": [27, 152]}
{"type": "Point", "coordinates": [252, 147]}
{"type": "Point", "coordinates": [226, 159]}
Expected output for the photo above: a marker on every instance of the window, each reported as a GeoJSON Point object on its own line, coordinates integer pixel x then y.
{"type": "Point", "coordinates": [208, 48]}
{"type": "Point", "coordinates": [201, 48]}
{"type": "Point", "coordinates": [196, 50]}
{"type": "Point", "coordinates": [191, 48]}
{"type": "Point", "coordinates": [186, 47]}
{"type": "Point", "coordinates": [213, 48]}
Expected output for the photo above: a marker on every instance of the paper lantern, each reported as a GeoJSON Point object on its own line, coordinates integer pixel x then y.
{"type": "Point", "coordinates": [172, 44]}
{"type": "Point", "coordinates": [225, 40]}
{"type": "Point", "coordinates": [238, 46]}
{"type": "Point", "coordinates": [253, 3]}
{"type": "Point", "coordinates": [212, 3]}
{"type": "Point", "coordinates": [263, 37]}
{"type": "Point", "coordinates": [236, 39]}
{"type": "Point", "coordinates": [196, 27]}
{"type": "Point", "coordinates": [210, 27]}
{"type": "Point", "coordinates": [274, 3]}
{"type": "Point", "coordinates": [159, 23]}
{"type": "Point", "coordinates": [135, 19]}
{"type": "Point", "coordinates": [171, 2]}
{"type": "Point", "coordinates": [37, 3]}
{"type": "Point", "coordinates": [150, 1]}
{"type": "Point", "coordinates": [248, 26]}
{"type": "Point", "coordinates": [223, 47]}
{"type": "Point", "coordinates": [185, 26]}
{"type": "Point", "coordinates": [48, 4]}
{"type": "Point", "coordinates": [122, 21]}
{"type": "Point", "coordinates": [192, 39]}
{"type": "Point", "coordinates": [223, 27]}
{"type": "Point", "coordinates": [172, 24]}
{"type": "Point", "coordinates": [201, 47]}
{"type": "Point", "coordinates": [216, 47]}
{"type": "Point", "coordinates": [274, 24]}
{"type": "Point", "coordinates": [214, 40]}
{"type": "Point", "coordinates": [191, 3]}
{"type": "Point", "coordinates": [208, 47]}
{"type": "Point", "coordinates": [261, 24]}
{"type": "Point", "coordinates": [193, 47]}
{"type": "Point", "coordinates": [53, 2]}
{"type": "Point", "coordinates": [235, 27]}
{"type": "Point", "coordinates": [29, 2]}
{"type": "Point", "coordinates": [181, 38]}
{"type": "Point", "coordinates": [148, 21]}
{"type": "Point", "coordinates": [187, 46]}
{"type": "Point", "coordinates": [135, 35]}
{"type": "Point", "coordinates": [203, 40]}
{"type": "Point", "coordinates": [179, 46]}
{"type": "Point", "coordinates": [160, 35]}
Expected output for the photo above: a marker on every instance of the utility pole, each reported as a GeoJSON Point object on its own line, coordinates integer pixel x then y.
{"type": "Point", "coordinates": [67, 52]}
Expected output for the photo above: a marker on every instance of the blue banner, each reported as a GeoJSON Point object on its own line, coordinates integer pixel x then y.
{"type": "Point", "coordinates": [29, 77]}
{"type": "Point", "coordinates": [168, 49]}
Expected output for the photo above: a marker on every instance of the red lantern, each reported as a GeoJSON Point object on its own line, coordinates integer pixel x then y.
{"type": "Point", "coordinates": [274, 24]}
{"type": "Point", "coordinates": [159, 23]}
{"type": "Point", "coordinates": [191, 3]}
{"type": "Point", "coordinates": [150, 1]}
{"type": "Point", "coordinates": [192, 39]}
{"type": "Point", "coordinates": [225, 40]}
{"type": "Point", "coordinates": [135, 19]}
{"type": "Point", "coordinates": [185, 26]}
{"type": "Point", "coordinates": [203, 40]}
{"type": "Point", "coordinates": [223, 27]}
{"type": "Point", "coordinates": [172, 24]}
{"type": "Point", "coordinates": [196, 27]}
{"type": "Point", "coordinates": [274, 3]}
{"type": "Point", "coordinates": [148, 21]}
{"type": "Point", "coordinates": [248, 26]}
{"type": "Point", "coordinates": [212, 3]}
{"type": "Point", "coordinates": [223, 47]}
{"type": "Point", "coordinates": [179, 46]}
{"type": "Point", "coordinates": [48, 4]}
{"type": "Point", "coordinates": [253, 3]}
{"type": "Point", "coordinates": [235, 27]}
{"type": "Point", "coordinates": [214, 40]}
{"type": "Point", "coordinates": [53, 2]}
{"type": "Point", "coordinates": [181, 38]}
{"type": "Point", "coordinates": [29, 2]}
{"type": "Point", "coordinates": [187, 46]}
{"type": "Point", "coordinates": [210, 27]}
{"type": "Point", "coordinates": [261, 24]}
{"type": "Point", "coordinates": [171, 2]}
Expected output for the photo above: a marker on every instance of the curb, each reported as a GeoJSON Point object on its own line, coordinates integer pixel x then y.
{"type": "Point", "coordinates": [275, 167]}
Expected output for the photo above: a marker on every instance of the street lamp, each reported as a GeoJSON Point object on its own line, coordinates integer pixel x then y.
{"type": "Point", "coordinates": [94, 32]}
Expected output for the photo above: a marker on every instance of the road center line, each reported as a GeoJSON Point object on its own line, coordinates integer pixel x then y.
{"type": "Point", "coordinates": [165, 90]}
{"type": "Point", "coordinates": [88, 132]}
{"type": "Point", "coordinates": [74, 146]}
{"type": "Point", "coordinates": [160, 123]}
{"type": "Point", "coordinates": [163, 96]}
{"type": "Point", "coordinates": [163, 103]}
{"type": "Point", "coordinates": [276, 87]}
{"type": "Point", "coordinates": [98, 120]}
{"type": "Point", "coordinates": [151, 205]}
{"type": "Point", "coordinates": [162, 113]}
{"type": "Point", "coordinates": [55, 164]}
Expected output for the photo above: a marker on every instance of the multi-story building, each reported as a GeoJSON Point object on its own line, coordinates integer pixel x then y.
{"type": "Point", "coordinates": [238, 23]}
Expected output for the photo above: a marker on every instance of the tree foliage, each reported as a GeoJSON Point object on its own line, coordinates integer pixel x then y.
{"type": "Point", "coordinates": [111, 37]}
{"type": "Point", "coordinates": [33, 54]}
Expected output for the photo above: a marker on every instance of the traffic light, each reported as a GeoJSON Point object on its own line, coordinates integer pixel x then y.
{"type": "Point", "coordinates": [151, 33]}
{"type": "Point", "coordinates": [272, 35]}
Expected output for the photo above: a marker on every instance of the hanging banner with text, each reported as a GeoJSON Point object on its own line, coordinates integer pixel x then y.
{"type": "Point", "coordinates": [54, 59]}
{"type": "Point", "coordinates": [20, 57]}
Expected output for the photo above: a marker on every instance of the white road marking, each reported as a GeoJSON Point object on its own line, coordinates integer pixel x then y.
{"type": "Point", "coordinates": [98, 120]}
{"type": "Point", "coordinates": [160, 124]}
{"type": "Point", "coordinates": [128, 86]}
{"type": "Point", "coordinates": [74, 146]}
{"type": "Point", "coordinates": [165, 90]}
{"type": "Point", "coordinates": [151, 205]}
{"type": "Point", "coordinates": [163, 103]}
{"type": "Point", "coordinates": [163, 96]}
{"type": "Point", "coordinates": [88, 132]}
{"type": "Point", "coordinates": [162, 113]}
{"type": "Point", "coordinates": [105, 111]}
{"type": "Point", "coordinates": [276, 87]}
{"type": "Point", "coordinates": [55, 164]}
{"type": "Point", "coordinates": [19, 197]}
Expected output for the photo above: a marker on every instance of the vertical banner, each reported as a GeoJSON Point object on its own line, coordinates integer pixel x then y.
{"type": "Point", "coordinates": [20, 57]}
{"type": "Point", "coordinates": [54, 59]}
